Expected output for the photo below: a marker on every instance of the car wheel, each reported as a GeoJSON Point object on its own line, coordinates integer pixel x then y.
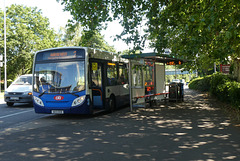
{"type": "Point", "coordinates": [10, 103]}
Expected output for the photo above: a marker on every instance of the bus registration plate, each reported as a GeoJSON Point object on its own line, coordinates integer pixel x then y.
{"type": "Point", "coordinates": [57, 112]}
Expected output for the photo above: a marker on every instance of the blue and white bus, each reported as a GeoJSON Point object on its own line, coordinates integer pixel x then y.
{"type": "Point", "coordinates": [79, 80]}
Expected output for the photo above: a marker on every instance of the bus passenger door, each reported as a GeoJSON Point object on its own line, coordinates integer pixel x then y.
{"type": "Point", "coordinates": [97, 85]}
{"type": "Point", "coordinates": [123, 84]}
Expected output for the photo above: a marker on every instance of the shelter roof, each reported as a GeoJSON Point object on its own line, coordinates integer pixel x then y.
{"type": "Point", "coordinates": [156, 57]}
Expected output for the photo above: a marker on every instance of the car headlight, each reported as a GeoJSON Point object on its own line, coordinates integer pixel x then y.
{"type": "Point", "coordinates": [27, 93]}
{"type": "Point", "coordinates": [5, 92]}
{"type": "Point", "coordinates": [38, 101]}
{"type": "Point", "coordinates": [78, 101]}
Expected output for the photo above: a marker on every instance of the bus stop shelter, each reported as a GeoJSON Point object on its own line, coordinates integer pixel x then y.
{"type": "Point", "coordinates": [147, 76]}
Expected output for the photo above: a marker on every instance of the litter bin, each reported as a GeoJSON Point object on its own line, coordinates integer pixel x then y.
{"type": "Point", "coordinates": [181, 91]}
{"type": "Point", "coordinates": [176, 92]}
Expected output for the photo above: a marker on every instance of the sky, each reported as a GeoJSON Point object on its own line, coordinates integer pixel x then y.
{"type": "Point", "coordinates": [57, 17]}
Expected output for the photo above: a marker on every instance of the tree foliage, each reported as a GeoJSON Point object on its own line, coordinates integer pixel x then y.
{"type": "Point", "coordinates": [73, 35]}
{"type": "Point", "coordinates": [204, 31]}
{"type": "Point", "coordinates": [94, 14]}
{"type": "Point", "coordinates": [27, 32]}
{"type": "Point", "coordinates": [96, 40]}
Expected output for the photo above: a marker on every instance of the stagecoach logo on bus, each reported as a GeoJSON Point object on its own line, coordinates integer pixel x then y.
{"type": "Point", "coordinates": [58, 98]}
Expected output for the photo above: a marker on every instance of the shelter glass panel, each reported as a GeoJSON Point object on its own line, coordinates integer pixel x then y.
{"type": "Point", "coordinates": [149, 78]}
{"type": "Point", "coordinates": [137, 76]}
{"type": "Point", "coordinates": [123, 74]}
{"type": "Point", "coordinates": [112, 74]}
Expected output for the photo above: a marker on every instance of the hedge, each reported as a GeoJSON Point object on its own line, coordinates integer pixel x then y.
{"type": "Point", "coordinates": [200, 83]}
{"type": "Point", "coordinates": [222, 86]}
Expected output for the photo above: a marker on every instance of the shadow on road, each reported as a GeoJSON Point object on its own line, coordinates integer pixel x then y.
{"type": "Point", "coordinates": [195, 129]}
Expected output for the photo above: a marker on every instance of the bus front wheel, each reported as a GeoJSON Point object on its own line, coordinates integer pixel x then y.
{"type": "Point", "coordinates": [112, 103]}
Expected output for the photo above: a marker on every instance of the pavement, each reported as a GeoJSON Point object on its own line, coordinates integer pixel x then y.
{"type": "Point", "coordinates": [194, 130]}
{"type": "Point", "coordinates": [2, 97]}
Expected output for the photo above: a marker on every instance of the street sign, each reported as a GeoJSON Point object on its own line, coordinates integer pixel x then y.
{"type": "Point", "coordinates": [225, 68]}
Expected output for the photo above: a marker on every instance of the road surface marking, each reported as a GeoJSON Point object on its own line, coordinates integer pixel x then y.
{"type": "Point", "coordinates": [18, 113]}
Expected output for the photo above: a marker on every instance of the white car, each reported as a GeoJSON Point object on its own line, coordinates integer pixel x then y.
{"type": "Point", "coordinates": [20, 91]}
{"type": "Point", "coordinates": [176, 80]}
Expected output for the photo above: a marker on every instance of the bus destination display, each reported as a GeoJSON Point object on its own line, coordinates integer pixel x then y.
{"type": "Point", "coordinates": [60, 54]}
{"type": "Point", "coordinates": [174, 63]}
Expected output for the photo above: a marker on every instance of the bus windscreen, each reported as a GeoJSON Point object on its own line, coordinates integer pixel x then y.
{"type": "Point", "coordinates": [60, 54]}
{"type": "Point", "coordinates": [59, 77]}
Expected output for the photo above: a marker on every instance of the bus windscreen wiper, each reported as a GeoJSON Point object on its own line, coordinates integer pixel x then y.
{"type": "Point", "coordinates": [41, 94]}
{"type": "Point", "coordinates": [74, 94]}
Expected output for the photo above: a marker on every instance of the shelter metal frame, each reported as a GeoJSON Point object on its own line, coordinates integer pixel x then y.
{"type": "Point", "coordinates": [149, 57]}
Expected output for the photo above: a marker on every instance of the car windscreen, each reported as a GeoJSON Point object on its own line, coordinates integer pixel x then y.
{"type": "Point", "coordinates": [23, 80]}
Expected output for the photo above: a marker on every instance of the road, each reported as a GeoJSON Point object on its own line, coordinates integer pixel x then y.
{"type": "Point", "coordinates": [14, 116]}
{"type": "Point", "coordinates": [196, 129]}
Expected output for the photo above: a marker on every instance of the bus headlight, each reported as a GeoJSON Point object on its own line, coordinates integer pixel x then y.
{"type": "Point", "coordinates": [78, 101]}
{"type": "Point", "coordinates": [38, 101]}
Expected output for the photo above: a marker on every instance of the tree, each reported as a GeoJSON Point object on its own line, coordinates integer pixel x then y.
{"type": "Point", "coordinates": [96, 40]}
{"type": "Point", "coordinates": [27, 32]}
{"type": "Point", "coordinates": [201, 31]}
{"type": "Point", "coordinates": [73, 35]}
{"type": "Point", "coordinates": [93, 15]}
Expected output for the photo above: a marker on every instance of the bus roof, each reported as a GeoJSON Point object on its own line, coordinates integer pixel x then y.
{"type": "Point", "coordinates": [92, 53]}
{"type": "Point", "coordinates": [73, 47]}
